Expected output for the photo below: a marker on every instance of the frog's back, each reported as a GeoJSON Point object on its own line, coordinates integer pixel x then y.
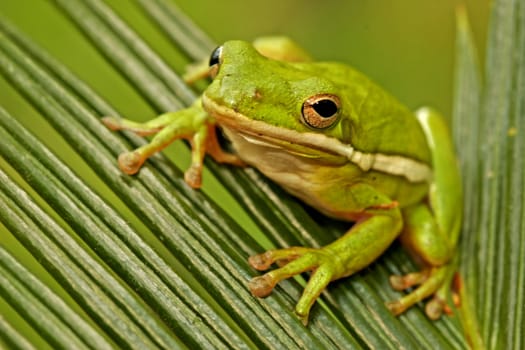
{"type": "Point", "coordinates": [374, 120]}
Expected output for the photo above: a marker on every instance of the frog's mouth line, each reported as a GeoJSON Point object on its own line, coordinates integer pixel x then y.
{"type": "Point", "coordinates": [412, 170]}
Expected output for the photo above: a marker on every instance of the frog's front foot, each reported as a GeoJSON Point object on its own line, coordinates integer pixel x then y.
{"type": "Point", "coordinates": [434, 282]}
{"type": "Point", "coordinates": [296, 260]}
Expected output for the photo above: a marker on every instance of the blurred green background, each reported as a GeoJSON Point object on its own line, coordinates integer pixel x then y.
{"type": "Point", "coordinates": [406, 46]}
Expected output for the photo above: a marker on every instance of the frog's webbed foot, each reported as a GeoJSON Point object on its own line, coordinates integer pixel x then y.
{"type": "Point", "coordinates": [296, 260]}
{"type": "Point", "coordinates": [434, 282]}
{"type": "Point", "coordinates": [192, 124]}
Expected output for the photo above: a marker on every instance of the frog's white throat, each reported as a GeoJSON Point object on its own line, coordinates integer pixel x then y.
{"type": "Point", "coordinates": [259, 132]}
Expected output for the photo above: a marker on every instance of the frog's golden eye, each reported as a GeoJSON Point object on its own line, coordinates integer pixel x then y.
{"type": "Point", "coordinates": [215, 61]}
{"type": "Point", "coordinates": [321, 111]}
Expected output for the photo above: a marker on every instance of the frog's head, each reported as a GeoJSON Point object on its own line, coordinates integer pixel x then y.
{"type": "Point", "coordinates": [291, 102]}
{"type": "Point", "coordinates": [322, 110]}
{"type": "Point", "coordinates": [277, 93]}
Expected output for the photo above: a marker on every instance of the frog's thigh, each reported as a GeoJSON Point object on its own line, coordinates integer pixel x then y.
{"type": "Point", "coordinates": [422, 236]}
{"type": "Point", "coordinates": [445, 196]}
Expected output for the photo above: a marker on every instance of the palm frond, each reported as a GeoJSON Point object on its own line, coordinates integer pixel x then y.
{"type": "Point", "coordinates": [182, 281]}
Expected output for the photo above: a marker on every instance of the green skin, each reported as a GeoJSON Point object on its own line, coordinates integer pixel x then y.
{"type": "Point", "coordinates": [373, 162]}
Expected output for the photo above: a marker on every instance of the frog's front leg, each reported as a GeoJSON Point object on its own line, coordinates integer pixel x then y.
{"type": "Point", "coordinates": [192, 124]}
{"type": "Point", "coordinates": [378, 224]}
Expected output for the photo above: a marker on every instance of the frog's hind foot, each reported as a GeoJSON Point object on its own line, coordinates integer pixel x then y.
{"type": "Point", "coordinates": [434, 282]}
{"type": "Point", "coordinates": [295, 260]}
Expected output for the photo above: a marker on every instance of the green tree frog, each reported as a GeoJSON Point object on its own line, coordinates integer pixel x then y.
{"type": "Point", "coordinates": [331, 137]}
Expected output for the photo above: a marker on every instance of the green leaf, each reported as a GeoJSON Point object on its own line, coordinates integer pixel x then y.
{"type": "Point", "coordinates": [488, 121]}
{"type": "Point", "coordinates": [179, 279]}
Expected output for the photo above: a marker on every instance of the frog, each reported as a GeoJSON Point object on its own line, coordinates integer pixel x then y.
{"type": "Point", "coordinates": [337, 141]}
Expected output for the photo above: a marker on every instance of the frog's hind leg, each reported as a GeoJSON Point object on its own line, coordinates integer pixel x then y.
{"type": "Point", "coordinates": [379, 224]}
{"type": "Point", "coordinates": [431, 229]}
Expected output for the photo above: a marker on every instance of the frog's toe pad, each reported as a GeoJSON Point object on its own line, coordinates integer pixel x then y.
{"type": "Point", "coordinates": [435, 307]}
{"type": "Point", "coordinates": [261, 286]}
{"type": "Point", "coordinates": [260, 262]}
{"type": "Point", "coordinates": [130, 162]}
{"type": "Point", "coordinates": [397, 282]}
{"type": "Point", "coordinates": [193, 177]}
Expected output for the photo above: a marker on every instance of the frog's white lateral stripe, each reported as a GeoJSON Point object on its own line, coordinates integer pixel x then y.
{"type": "Point", "coordinates": [412, 170]}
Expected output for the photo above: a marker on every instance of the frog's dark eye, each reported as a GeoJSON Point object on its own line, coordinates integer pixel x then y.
{"type": "Point", "coordinates": [321, 111]}
{"type": "Point", "coordinates": [215, 56]}
{"type": "Point", "coordinates": [215, 61]}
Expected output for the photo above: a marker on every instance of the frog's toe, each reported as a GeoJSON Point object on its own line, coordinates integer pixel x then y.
{"type": "Point", "coordinates": [319, 280]}
{"type": "Point", "coordinates": [402, 282]}
{"type": "Point", "coordinates": [112, 123]}
{"type": "Point", "coordinates": [433, 282]}
{"type": "Point", "coordinates": [395, 307]}
{"type": "Point", "coordinates": [263, 261]}
{"type": "Point", "coordinates": [130, 162]}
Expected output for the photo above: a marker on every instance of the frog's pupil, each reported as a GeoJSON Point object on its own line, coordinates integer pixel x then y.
{"type": "Point", "coordinates": [325, 108]}
{"type": "Point", "coordinates": [215, 56]}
